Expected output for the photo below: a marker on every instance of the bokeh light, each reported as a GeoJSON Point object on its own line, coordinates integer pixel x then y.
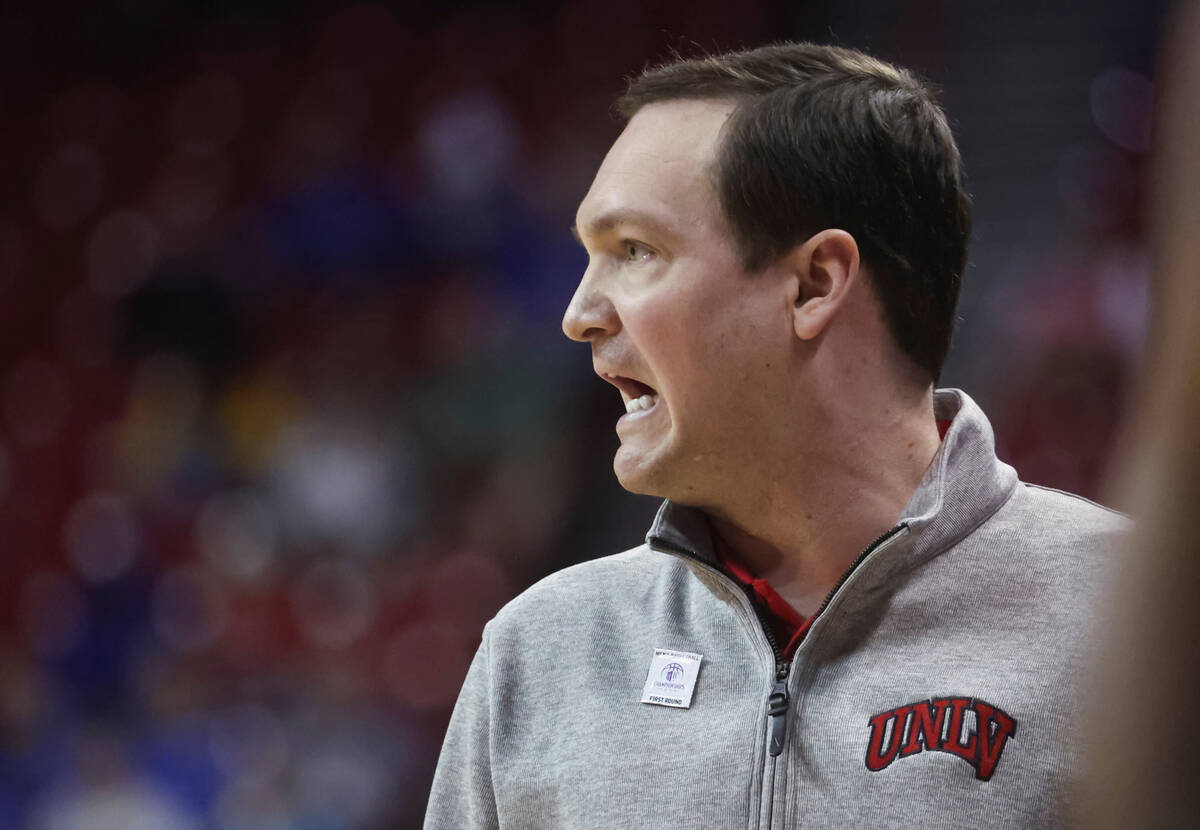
{"type": "Point", "coordinates": [1122, 104]}
{"type": "Point", "coordinates": [191, 609]}
{"type": "Point", "coordinates": [121, 250]}
{"type": "Point", "coordinates": [101, 536]}
{"type": "Point", "coordinates": [69, 184]}
{"type": "Point", "coordinates": [334, 603]}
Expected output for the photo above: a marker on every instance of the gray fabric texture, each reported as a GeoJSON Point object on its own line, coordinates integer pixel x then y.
{"type": "Point", "coordinates": [985, 593]}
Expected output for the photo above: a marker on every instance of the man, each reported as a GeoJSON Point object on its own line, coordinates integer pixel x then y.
{"type": "Point", "coordinates": [847, 610]}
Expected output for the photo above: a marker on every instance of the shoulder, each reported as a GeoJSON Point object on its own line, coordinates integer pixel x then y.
{"type": "Point", "coordinates": [1051, 526]}
{"type": "Point", "coordinates": [1065, 511]}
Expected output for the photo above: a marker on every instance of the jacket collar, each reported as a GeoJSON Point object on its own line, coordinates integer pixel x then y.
{"type": "Point", "coordinates": [965, 482]}
{"type": "Point", "coordinates": [964, 485]}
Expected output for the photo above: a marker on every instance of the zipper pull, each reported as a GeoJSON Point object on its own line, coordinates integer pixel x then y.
{"type": "Point", "coordinates": [777, 705]}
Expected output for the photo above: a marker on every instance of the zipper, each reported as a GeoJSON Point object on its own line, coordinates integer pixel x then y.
{"type": "Point", "coordinates": [867, 551]}
{"type": "Point", "coordinates": [777, 706]}
{"type": "Point", "coordinates": [778, 700]}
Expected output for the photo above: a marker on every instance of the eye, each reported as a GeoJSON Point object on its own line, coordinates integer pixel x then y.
{"type": "Point", "coordinates": [636, 251]}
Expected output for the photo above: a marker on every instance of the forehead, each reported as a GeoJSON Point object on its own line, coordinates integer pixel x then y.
{"type": "Point", "coordinates": [661, 163]}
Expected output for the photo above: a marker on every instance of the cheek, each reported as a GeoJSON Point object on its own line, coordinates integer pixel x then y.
{"type": "Point", "coordinates": [707, 351]}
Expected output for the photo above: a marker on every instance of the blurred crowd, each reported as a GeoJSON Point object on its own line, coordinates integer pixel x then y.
{"type": "Point", "coordinates": [285, 412]}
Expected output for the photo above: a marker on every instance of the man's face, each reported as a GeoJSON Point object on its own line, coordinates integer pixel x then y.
{"type": "Point", "coordinates": [696, 346]}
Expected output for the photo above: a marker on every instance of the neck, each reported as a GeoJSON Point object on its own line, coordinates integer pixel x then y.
{"type": "Point", "coordinates": [805, 517]}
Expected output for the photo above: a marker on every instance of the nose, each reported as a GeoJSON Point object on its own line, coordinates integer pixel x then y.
{"type": "Point", "coordinates": [590, 314]}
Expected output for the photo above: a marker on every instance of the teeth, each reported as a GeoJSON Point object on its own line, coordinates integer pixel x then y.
{"type": "Point", "coordinates": [638, 404]}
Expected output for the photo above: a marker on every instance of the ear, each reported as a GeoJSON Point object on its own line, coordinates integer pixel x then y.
{"type": "Point", "coordinates": [823, 269]}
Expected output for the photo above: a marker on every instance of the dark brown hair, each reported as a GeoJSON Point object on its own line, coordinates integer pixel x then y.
{"type": "Point", "coordinates": [827, 137]}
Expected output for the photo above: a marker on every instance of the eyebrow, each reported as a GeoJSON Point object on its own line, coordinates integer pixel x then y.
{"type": "Point", "coordinates": [607, 221]}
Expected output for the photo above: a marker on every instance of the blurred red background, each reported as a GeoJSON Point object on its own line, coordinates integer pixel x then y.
{"type": "Point", "coordinates": [285, 412]}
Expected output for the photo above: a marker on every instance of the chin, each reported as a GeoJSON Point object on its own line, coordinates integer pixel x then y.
{"type": "Point", "coordinates": [639, 474]}
{"type": "Point", "coordinates": [659, 475]}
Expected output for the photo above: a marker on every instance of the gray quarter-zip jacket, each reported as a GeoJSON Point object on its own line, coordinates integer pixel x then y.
{"type": "Point", "coordinates": [938, 687]}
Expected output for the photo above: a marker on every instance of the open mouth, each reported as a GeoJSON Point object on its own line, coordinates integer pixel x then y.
{"type": "Point", "coordinates": [638, 396]}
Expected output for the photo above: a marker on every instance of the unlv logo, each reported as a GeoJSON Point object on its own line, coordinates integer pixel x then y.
{"type": "Point", "coordinates": [938, 726]}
